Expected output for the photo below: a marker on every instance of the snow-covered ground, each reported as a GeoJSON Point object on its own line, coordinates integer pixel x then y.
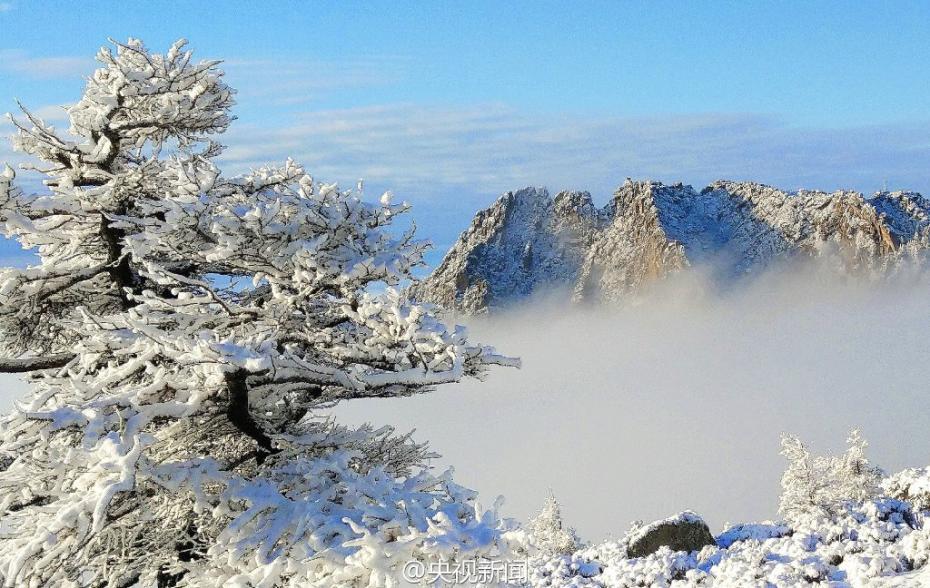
{"type": "Point", "coordinates": [680, 403]}
{"type": "Point", "coordinates": [878, 543]}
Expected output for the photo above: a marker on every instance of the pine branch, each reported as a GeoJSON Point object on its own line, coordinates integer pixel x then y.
{"type": "Point", "coordinates": [32, 364]}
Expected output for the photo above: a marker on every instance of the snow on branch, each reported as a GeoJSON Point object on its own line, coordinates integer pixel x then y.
{"type": "Point", "coordinates": [30, 364]}
{"type": "Point", "coordinates": [180, 330]}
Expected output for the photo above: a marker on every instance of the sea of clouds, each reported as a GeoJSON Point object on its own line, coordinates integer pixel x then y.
{"type": "Point", "coordinates": [680, 401]}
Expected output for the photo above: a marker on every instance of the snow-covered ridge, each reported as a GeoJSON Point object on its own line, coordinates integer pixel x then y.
{"type": "Point", "coordinates": [528, 242]}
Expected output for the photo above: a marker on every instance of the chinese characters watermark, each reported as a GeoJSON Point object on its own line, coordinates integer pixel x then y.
{"type": "Point", "coordinates": [467, 571]}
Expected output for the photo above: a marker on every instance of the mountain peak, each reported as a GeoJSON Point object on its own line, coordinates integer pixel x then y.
{"type": "Point", "coordinates": [527, 243]}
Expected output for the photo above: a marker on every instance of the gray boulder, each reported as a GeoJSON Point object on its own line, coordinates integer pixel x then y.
{"type": "Point", "coordinates": [683, 532]}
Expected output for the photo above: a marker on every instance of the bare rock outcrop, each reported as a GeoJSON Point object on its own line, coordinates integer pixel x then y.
{"type": "Point", "coordinates": [683, 532]}
{"type": "Point", "coordinates": [529, 243]}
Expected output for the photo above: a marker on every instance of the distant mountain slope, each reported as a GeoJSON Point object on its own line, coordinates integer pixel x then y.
{"type": "Point", "coordinates": [528, 242]}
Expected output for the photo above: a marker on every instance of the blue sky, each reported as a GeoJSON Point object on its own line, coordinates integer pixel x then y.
{"type": "Point", "coordinates": [451, 103]}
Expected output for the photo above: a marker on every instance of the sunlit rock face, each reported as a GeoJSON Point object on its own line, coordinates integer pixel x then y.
{"type": "Point", "coordinates": [529, 243]}
{"type": "Point", "coordinates": [526, 242]}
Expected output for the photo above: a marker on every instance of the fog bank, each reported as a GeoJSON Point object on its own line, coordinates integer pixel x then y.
{"type": "Point", "coordinates": [679, 403]}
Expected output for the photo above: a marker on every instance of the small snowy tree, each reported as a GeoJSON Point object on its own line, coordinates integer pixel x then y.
{"type": "Point", "coordinates": [819, 486]}
{"type": "Point", "coordinates": [855, 478]}
{"type": "Point", "coordinates": [547, 532]}
{"type": "Point", "coordinates": [802, 483]}
{"type": "Point", "coordinates": [180, 329]}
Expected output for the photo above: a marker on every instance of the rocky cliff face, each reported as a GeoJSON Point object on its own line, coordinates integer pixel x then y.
{"type": "Point", "coordinates": [528, 242]}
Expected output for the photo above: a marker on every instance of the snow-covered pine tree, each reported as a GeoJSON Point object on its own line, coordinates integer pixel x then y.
{"type": "Point", "coordinates": [180, 329]}
{"type": "Point", "coordinates": [802, 483]}
{"type": "Point", "coordinates": [856, 478]}
{"type": "Point", "coordinates": [549, 534]}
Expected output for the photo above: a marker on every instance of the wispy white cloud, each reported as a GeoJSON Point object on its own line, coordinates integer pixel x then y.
{"type": "Point", "coordinates": [55, 115]}
{"type": "Point", "coordinates": [294, 81]}
{"type": "Point", "coordinates": [491, 148]}
{"type": "Point", "coordinates": [17, 61]}
{"type": "Point", "coordinates": [449, 161]}
{"type": "Point", "coordinates": [52, 113]}
{"type": "Point", "coordinates": [6, 6]}
{"type": "Point", "coordinates": [6, 150]}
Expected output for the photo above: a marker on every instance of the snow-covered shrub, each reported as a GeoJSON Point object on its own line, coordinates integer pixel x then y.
{"type": "Point", "coordinates": [912, 485]}
{"type": "Point", "coordinates": [752, 531]}
{"type": "Point", "coordinates": [180, 329]}
{"type": "Point", "coordinates": [916, 546]}
{"type": "Point", "coordinates": [819, 485]}
{"type": "Point", "coordinates": [548, 533]}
